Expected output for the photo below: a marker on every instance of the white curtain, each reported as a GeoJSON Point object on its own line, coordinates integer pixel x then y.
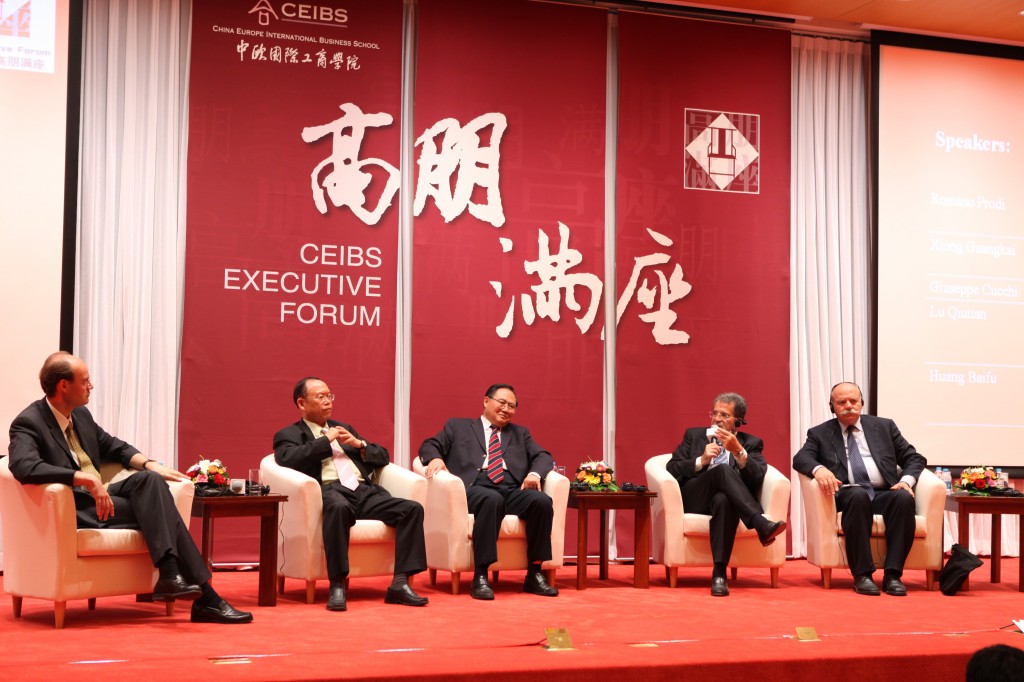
{"type": "Point", "coordinates": [830, 295]}
{"type": "Point", "coordinates": [131, 233]}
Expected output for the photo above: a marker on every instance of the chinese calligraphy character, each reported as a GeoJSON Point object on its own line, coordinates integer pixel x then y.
{"type": "Point", "coordinates": [671, 289]}
{"type": "Point", "coordinates": [459, 160]}
{"type": "Point", "coordinates": [242, 48]}
{"type": "Point", "coordinates": [346, 183]}
{"type": "Point", "coordinates": [552, 270]}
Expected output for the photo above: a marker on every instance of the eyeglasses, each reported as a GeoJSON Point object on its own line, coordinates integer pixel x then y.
{"type": "Point", "coordinates": [723, 415]}
{"type": "Point", "coordinates": [505, 405]}
{"type": "Point", "coordinates": [323, 397]}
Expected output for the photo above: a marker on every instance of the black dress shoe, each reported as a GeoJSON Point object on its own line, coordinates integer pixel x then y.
{"type": "Point", "coordinates": [169, 589]}
{"type": "Point", "coordinates": [893, 586]}
{"type": "Point", "coordinates": [865, 585]}
{"type": "Point", "coordinates": [221, 612]}
{"type": "Point", "coordinates": [336, 598]}
{"type": "Point", "coordinates": [481, 589]}
{"type": "Point", "coordinates": [404, 595]}
{"type": "Point", "coordinates": [536, 583]}
{"type": "Point", "coordinates": [770, 531]}
{"type": "Point", "coordinates": [719, 588]}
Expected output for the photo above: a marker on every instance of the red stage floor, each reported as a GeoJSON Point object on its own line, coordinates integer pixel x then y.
{"type": "Point", "coordinates": [617, 632]}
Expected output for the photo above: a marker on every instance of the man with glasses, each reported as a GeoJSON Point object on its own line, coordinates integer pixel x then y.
{"type": "Point", "coordinates": [501, 467]}
{"type": "Point", "coordinates": [56, 440]}
{"type": "Point", "coordinates": [337, 457]}
{"type": "Point", "coordinates": [720, 472]}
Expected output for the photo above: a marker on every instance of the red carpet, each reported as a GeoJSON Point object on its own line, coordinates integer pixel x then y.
{"type": "Point", "coordinates": [618, 632]}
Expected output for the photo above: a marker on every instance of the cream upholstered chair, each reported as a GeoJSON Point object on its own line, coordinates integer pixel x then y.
{"type": "Point", "coordinates": [826, 545]}
{"type": "Point", "coordinates": [46, 556]}
{"type": "Point", "coordinates": [449, 529]}
{"type": "Point", "coordinates": [684, 539]}
{"type": "Point", "coordinates": [300, 542]}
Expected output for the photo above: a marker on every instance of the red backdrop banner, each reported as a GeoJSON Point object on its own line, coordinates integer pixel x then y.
{"type": "Point", "coordinates": [510, 118]}
{"type": "Point", "coordinates": [702, 233]}
{"type": "Point", "coordinates": [294, 130]}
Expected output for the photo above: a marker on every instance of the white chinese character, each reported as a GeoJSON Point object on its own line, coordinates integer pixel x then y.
{"type": "Point", "coordinates": [671, 289]}
{"type": "Point", "coordinates": [346, 182]}
{"type": "Point", "coordinates": [458, 161]}
{"type": "Point", "coordinates": [241, 49]}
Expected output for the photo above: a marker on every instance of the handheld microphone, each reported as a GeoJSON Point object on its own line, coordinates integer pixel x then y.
{"type": "Point", "coordinates": [712, 438]}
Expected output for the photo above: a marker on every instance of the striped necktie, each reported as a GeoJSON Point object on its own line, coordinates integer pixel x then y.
{"type": "Point", "coordinates": [84, 461]}
{"type": "Point", "coordinates": [495, 462]}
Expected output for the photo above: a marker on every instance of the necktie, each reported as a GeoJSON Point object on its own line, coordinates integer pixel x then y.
{"type": "Point", "coordinates": [84, 461]}
{"type": "Point", "coordinates": [722, 457]}
{"type": "Point", "coordinates": [343, 465]}
{"type": "Point", "coordinates": [495, 462]}
{"type": "Point", "coordinates": [860, 472]}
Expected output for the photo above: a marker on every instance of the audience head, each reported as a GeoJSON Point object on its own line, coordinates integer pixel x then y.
{"type": "Point", "coordinates": [997, 663]}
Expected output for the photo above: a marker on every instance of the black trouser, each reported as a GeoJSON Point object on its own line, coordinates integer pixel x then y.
{"type": "Point", "coordinates": [144, 501]}
{"type": "Point", "coordinates": [489, 502]}
{"type": "Point", "coordinates": [343, 507]}
{"type": "Point", "coordinates": [897, 508]}
{"type": "Point", "coordinates": [721, 492]}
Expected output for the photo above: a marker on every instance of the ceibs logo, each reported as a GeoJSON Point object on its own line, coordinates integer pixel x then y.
{"type": "Point", "coordinates": [300, 13]}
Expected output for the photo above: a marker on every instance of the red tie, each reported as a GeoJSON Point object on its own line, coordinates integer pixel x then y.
{"type": "Point", "coordinates": [495, 462]}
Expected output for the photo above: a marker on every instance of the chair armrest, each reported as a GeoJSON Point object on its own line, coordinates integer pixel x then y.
{"type": "Point", "coordinates": [183, 492]}
{"type": "Point", "coordinates": [401, 482]}
{"type": "Point", "coordinates": [556, 486]}
{"type": "Point", "coordinates": [302, 513]}
{"type": "Point", "coordinates": [775, 492]}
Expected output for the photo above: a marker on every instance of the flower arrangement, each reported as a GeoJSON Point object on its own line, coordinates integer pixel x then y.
{"type": "Point", "coordinates": [597, 476]}
{"type": "Point", "coordinates": [977, 479]}
{"type": "Point", "coordinates": [208, 471]}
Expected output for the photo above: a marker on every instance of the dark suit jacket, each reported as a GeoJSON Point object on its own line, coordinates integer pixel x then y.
{"type": "Point", "coordinates": [462, 446]}
{"type": "Point", "coordinates": [40, 453]}
{"type": "Point", "coordinates": [826, 445]}
{"type": "Point", "coordinates": [297, 448]}
{"type": "Point", "coordinates": [692, 447]}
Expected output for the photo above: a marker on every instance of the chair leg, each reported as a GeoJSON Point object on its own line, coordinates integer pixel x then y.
{"type": "Point", "coordinates": [169, 608]}
{"type": "Point", "coordinates": [16, 606]}
{"type": "Point", "coordinates": [734, 571]}
{"type": "Point", "coordinates": [456, 580]}
{"type": "Point", "coordinates": [929, 579]}
{"type": "Point", "coordinates": [280, 584]}
{"type": "Point", "coordinates": [549, 573]}
{"type": "Point", "coordinates": [432, 572]}
{"type": "Point", "coordinates": [59, 607]}
{"type": "Point", "coordinates": [673, 575]}
{"type": "Point", "coordinates": [826, 578]}
{"type": "Point", "coordinates": [775, 576]}
{"type": "Point", "coordinates": [92, 603]}
{"type": "Point", "coordinates": [310, 591]}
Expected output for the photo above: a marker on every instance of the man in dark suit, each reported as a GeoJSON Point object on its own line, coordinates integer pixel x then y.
{"type": "Point", "coordinates": [339, 460]}
{"type": "Point", "coordinates": [502, 468]}
{"type": "Point", "coordinates": [871, 469]}
{"type": "Point", "coordinates": [55, 440]}
{"type": "Point", "coordinates": [720, 472]}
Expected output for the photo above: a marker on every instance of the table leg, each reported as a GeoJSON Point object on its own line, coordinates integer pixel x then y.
{"type": "Point", "coordinates": [641, 541]}
{"type": "Point", "coordinates": [268, 559]}
{"type": "Point", "coordinates": [581, 547]}
{"type": "Point", "coordinates": [1020, 555]}
{"type": "Point", "coordinates": [207, 549]}
{"type": "Point", "coordinates": [602, 551]}
{"type": "Point", "coordinates": [964, 538]}
{"type": "Point", "coordinates": [997, 546]}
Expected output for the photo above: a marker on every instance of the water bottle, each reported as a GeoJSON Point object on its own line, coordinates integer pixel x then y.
{"type": "Point", "coordinates": [947, 478]}
{"type": "Point", "coordinates": [1002, 479]}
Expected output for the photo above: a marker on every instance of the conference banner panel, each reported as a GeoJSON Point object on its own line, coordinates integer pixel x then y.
{"type": "Point", "coordinates": [702, 248]}
{"type": "Point", "coordinates": [291, 255]}
{"type": "Point", "coordinates": [508, 256]}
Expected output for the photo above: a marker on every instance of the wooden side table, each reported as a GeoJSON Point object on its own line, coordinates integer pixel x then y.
{"type": "Point", "coordinates": [965, 505]}
{"type": "Point", "coordinates": [264, 506]}
{"type": "Point", "coordinates": [640, 503]}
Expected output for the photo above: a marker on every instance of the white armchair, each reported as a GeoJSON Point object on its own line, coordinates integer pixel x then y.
{"type": "Point", "coordinates": [448, 526]}
{"type": "Point", "coordinates": [684, 539]}
{"type": "Point", "coordinates": [46, 556]}
{"type": "Point", "coordinates": [300, 543]}
{"type": "Point", "coordinates": [826, 545]}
